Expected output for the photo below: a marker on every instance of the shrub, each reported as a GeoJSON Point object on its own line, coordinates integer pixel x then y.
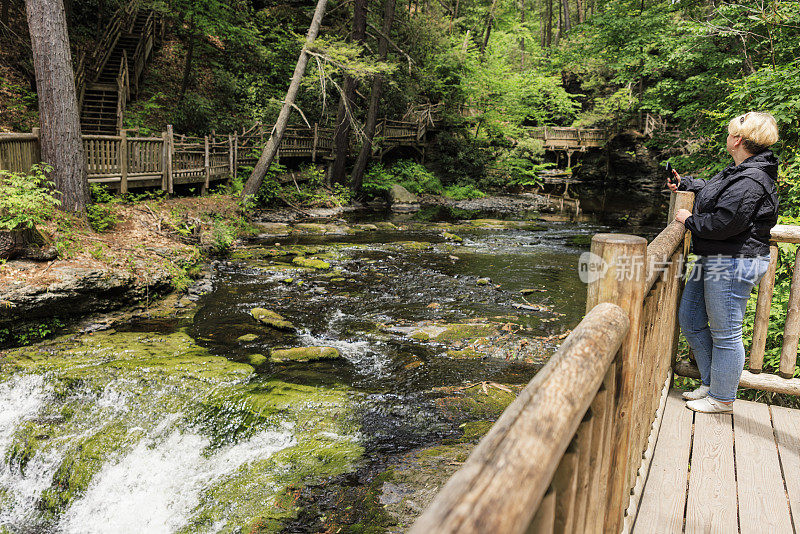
{"type": "Point", "coordinates": [463, 192]}
{"type": "Point", "coordinates": [101, 217]}
{"type": "Point", "coordinates": [222, 237]}
{"type": "Point", "coordinates": [26, 199]}
{"type": "Point", "coordinates": [410, 174]}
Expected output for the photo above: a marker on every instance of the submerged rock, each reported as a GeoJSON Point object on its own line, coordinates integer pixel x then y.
{"type": "Point", "coordinates": [271, 319]}
{"type": "Point", "coordinates": [304, 354]}
{"type": "Point", "coordinates": [257, 360]}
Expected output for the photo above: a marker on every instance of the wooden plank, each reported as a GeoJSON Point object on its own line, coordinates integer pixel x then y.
{"type": "Point", "coordinates": [664, 499]}
{"type": "Point", "coordinates": [711, 507]}
{"type": "Point", "coordinates": [787, 434]}
{"type": "Point", "coordinates": [762, 499]}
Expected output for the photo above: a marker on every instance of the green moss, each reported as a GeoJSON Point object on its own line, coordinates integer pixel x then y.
{"type": "Point", "coordinates": [309, 228]}
{"type": "Point", "coordinates": [474, 403]}
{"type": "Point", "coordinates": [458, 332]}
{"type": "Point", "coordinates": [271, 319]}
{"type": "Point", "coordinates": [412, 246]}
{"type": "Point", "coordinates": [311, 263]}
{"type": "Point", "coordinates": [304, 354]}
{"type": "Point", "coordinates": [464, 354]}
{"type": "Point", "coordinates": [257, 360]}
{"type": "Point", "coordinates": [247, 338]}
{"type": "Point", "coordinates": [475, 430]}
{"type": "Point", "coordinates": [452, 237]}
{"type": "Point", "coordinates": [580, 240]}
{"type": "Point", "coordinates": [420, 335]}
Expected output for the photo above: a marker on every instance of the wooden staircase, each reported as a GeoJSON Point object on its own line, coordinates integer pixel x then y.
{"type": "Point", "coordinates": [116, 66]}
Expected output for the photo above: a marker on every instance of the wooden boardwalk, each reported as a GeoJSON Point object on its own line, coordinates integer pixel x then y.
{"type": "Point", "coordinates": [723, 473]}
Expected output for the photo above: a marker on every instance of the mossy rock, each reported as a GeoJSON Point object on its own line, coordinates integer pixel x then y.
{"type": "Point", "coordinates": [309, 228]}
{"type": "Point", "coordinates": [247, 338]}
{"type": "Point", "coordinates": [484, 281]}
{"type": "Point", "coordinates": [304, 354]}
{"type": "Point", "coordinates": [475, 430]}
{"type": "Point", "coordinates": [366, 227]}
{"type": "Point", "coordinates": [464, 354]}
{"type": "Point", "coordinates": [452, 237]}
{"type": "Point", "coordinates": [413, 246]}
{"type": "Point", "coordinates": [476, 403]}
{"type": "Point", "coordinates": [272, 319]}
{"type": "Point", "coordinates": [384, 225]}
{"type": "Point", "coordinates": [311, 263]}
{"type": "Point", "coordinates": [257, 360]}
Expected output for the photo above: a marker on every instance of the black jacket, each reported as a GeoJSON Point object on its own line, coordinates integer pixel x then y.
{"type": "Point", "coordinates": [735, 210]}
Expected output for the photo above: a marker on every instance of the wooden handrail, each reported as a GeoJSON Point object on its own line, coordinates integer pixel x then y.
{"type": "Point", "coordinates": [599, 442]}
{"type": "Point", "coordinates": [502, 483]}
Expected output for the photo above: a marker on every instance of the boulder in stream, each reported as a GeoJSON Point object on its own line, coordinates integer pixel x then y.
{"type": "Point", "coordinates": [271, 319]}
{"type": "Point", "coordinates": [304, 354]}
{"type": "Point", "coordinates": [311, 263]}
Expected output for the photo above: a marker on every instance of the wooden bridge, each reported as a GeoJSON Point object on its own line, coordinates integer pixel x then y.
{"type": "Point", "coordinates": [128, 161]}
{"type": "Point", "coordinates": [598, 441]}
{"type": "Point", "coordinates": [569, 140]}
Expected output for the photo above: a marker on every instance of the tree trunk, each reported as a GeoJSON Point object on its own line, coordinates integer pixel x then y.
{"type": "Point", "coordinates": [257, 176]}
{"type": "Point", "coordinates": [187, 66]}
{"type": "Point", "coordinates": [547, 31]}
{"type": "Point", "coordinates": [341, 135]}
{"type": "Point", "coordinates": [357, 176]}
{"type": "Point", "coordinates": [60, 138]}
{"type": "Point", "coordinates": [522, 40]}
{"type": "Point", "coordinates": [489, 22]}
{"type": "Point", "coordinates": [4, 5]}
{"type": "Point", "coordinates": [567, 23]}
{"type": "Point", "coordinates": [581, 9]}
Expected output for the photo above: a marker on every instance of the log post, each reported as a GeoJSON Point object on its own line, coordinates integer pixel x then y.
{"type": "Point", "coordinates": [791, 330]}
{"type": "Point", "coordinates": [680, 200]}
{"type": "Point", "coordinates": [170, 138]}
{"type": "Point", "coordinates": [622, 283]}
{"type": "Point", "coordinates": [314, 146]}
{"type": "Point", "coordinates": [763, 305]}
{"type": "Point", "coordinates": [123, 162]}
{"type": "Point", "coordinates": [235, 155]}
{"type": "Point", "coordinates": [230, 157]}
{"type": "Point", "coordinates": [207, 166]}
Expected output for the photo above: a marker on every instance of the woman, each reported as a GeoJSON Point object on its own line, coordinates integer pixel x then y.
{"type": "Point", "coordinates": [730, 225]}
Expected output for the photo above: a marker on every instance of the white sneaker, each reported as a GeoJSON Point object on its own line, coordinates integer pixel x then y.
{"type": "Point", "coordinates": [709, 405]}
{"type": "Point", "coordinates": [698, 393]}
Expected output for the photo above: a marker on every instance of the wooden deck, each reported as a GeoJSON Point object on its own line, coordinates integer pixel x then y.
{"type": "Point", "coordinates": [744, 475]}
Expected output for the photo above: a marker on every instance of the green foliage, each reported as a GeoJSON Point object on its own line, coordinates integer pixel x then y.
{"type": "Point", "coordinates": [101, 214]}
{"type": "Point", "coordinates": [463, 192]}
{"type": "Point", "coordinates": [223, 235]}
{"type": "Point", "coordinates": [26, 199]}
{"type": "Point", "coordinates": [407, 173]}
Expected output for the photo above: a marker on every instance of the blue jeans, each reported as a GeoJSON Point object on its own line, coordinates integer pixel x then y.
{"type": "Point", "coordinates": [711, 315]}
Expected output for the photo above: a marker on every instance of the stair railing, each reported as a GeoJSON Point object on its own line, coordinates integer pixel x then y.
{"type": "Point", "coordinates": [105, 46]}
{"type": "Point", "coordinates": [143, 49]}
{"type": "Point", "coordinates": [123, 89]}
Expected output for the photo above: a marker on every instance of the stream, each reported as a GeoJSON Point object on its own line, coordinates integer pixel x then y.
{"type": "Point", "coordinates": [401, 343]}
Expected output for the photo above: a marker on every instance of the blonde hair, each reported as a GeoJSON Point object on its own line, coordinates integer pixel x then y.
{"type": "Point", "coordinates": [758, 130]}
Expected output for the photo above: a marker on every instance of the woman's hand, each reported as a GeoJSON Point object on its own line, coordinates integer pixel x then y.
{"type": "Point", "coordinates": [681, 215]}
{"type": "Point", "coordinates": [673, 186]}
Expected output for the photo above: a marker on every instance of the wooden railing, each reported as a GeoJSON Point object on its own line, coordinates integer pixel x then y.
{"type": "Point", "coordinates": [753, 377]}
{"type": "Point", "coordinates": [123, 89]}
{"type": "Point", "coordinates": [569, 138]}
{"type": "Point", "coordinates": [571, 453]}
{"type": "Point", "coordinates": [178, 159]}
